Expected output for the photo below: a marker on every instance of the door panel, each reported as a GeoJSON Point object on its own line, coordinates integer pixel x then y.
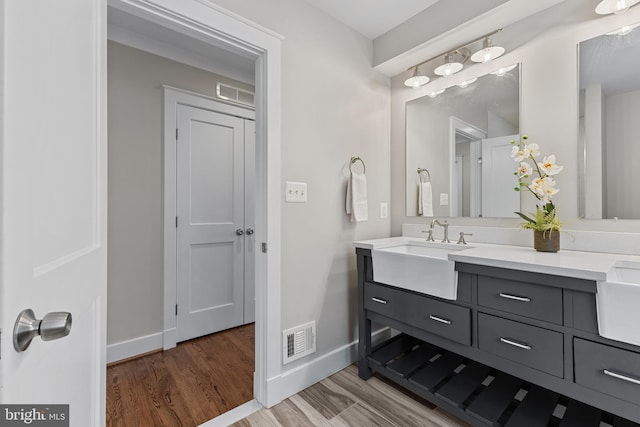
{"type": "Point", "coordinates": [54, 202]}
{"type": "Point", "coordinates": [210, 199]}
{"type": "Point", "coordinates": [499, 199]}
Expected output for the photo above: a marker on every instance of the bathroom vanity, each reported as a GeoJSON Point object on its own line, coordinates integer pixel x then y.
{"type": "Point", "coordinates": [517, 346]}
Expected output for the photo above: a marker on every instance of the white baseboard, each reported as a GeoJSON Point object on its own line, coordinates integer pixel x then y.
{"type": "Point", "coordinates": [134, 347]}
{"type": "Point", "coordinates": [297, 379]}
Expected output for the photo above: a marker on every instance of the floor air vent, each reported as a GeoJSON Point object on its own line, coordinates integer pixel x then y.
{"type": "Point", "coordinates": [299, 342]}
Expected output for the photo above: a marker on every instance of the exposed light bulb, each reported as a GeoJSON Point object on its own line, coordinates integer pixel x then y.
{"type": "Point", "coordinates": [488, 52]}
{"type": "Point", "coordinates": [504, 70]}
{"type": "Point", "coordinates": [623, 31]}
{"type": "Point", "coordinates": [416, 80]}
{"type": "Point", "coordinates": [467, 82]}
{"type": "Point", "coordinates": [449, 67]}
{"type": "Point", "coordinates": [614, 6]}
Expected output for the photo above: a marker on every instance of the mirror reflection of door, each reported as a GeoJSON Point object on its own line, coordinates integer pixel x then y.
{"type": "Point", "coordinates": [466, 179]}
{"type": "Point", "coordinates": [499, 200]}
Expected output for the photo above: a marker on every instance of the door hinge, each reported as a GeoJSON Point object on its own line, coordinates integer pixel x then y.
{"type": "Point", "coordinates": [264, 247]}
{"type": "Point", "coordinates": [176, 134]}
{"type": "Point", "coordinates": [176, 222]}
{"type": "Point", "coordinates": [176, 309]}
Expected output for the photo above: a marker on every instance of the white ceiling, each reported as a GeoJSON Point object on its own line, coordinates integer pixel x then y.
{"type": "Point", "coordinates": [372, 18]}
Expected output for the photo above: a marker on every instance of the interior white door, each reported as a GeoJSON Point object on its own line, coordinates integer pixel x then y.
{"type": "Point", "coordinates": [54, 202]}
{"type": "Point", "coordinates": [499, 199]}
{"type": "Point", "coordinates": [211, 229]}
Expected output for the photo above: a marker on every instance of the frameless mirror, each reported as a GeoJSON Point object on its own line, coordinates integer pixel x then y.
{"type": "Point", "coordinates": [458, 149]}
{"type": "Point", "coordinates": [609, 133]}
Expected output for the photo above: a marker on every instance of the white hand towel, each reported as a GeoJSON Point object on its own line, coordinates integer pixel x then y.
{"type": "Point", "coordinates": [426, 199]}
{"type": "Point", "coordinates": [356, 204]}
{"type": "Point", "coordinates": [419, 192]}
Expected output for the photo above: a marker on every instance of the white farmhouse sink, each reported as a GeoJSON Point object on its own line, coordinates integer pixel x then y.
{"type": "Point", "coordinates": [618, 303]}
{"type": "Point", "coordinates": [418, 266]}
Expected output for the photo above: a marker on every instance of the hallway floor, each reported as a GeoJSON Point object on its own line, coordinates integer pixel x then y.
{"type": "Point", "coordinates": [185, 386]}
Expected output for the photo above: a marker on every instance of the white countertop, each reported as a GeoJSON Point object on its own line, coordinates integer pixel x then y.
{"type": "Point", "coordinates": [581, 265]}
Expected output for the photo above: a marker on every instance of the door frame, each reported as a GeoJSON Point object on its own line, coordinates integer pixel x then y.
{"type": "Point", "coordinates": [173, 97]}
{"type": "Point", "coordinates": [457, 125]}
{"type": "Point", "coordinates": [204, 20]}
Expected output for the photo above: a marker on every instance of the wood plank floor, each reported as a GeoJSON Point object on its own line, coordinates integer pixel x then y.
{"type": "Point", "coordinates": [344, 400]}
{"type": "Point", "coordinates": [185, 386]}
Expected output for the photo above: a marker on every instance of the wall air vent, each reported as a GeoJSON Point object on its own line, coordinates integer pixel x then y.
{"type": "Point", "coordinates": [234, 94]}
{"type": "Point", "coordinates": [298, 342]}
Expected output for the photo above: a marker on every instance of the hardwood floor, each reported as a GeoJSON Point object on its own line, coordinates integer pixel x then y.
{"type": "Point", "coordinates": [185, 386]}
{"type": "Point", "coordinates": [344, 400]}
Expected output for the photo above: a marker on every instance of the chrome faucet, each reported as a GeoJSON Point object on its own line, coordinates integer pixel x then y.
{"type": "Point", "coordinates": [445, 225]}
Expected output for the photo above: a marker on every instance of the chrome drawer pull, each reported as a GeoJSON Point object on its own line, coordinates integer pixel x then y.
{"type": "Point", "coordinates": [440, 319]}
{"type": "Point", "coordinates": [381, 301]}
{"type": "Point", "coordinates": [515, 297]}
{"type": "Point", "coordinates": [622, 377]}
{"type": "Point", "coordinates": [515, 344]}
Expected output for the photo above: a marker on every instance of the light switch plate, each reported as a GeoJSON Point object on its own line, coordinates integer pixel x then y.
{"type": "Point", "coordinates": [295, 192]}
{"type": "Point", "coordinates": [444, 199]}
{"type": "Point", "coordinates": [384, 210]}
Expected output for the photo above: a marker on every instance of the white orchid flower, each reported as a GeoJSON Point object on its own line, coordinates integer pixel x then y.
{"type": "Point", "coordinates": [544, 188]}
{"type": "Point", "coordinates": [549, 166]}
{"type": "Point", "coordinates": [524, 170]}
{"type": "Point", "coordinates": [519, 153]}
{"type": "Point", "coordinates": [534, 149]}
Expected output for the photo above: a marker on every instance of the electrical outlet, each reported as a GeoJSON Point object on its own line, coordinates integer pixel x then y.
{"type": "Point", "coordinates": [444, 199]}
{"type": "Point", "coordinates": [296, 192]}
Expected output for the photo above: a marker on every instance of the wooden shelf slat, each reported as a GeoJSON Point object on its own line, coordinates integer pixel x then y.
{"type": "Point", "coordinates": [495, 398]}
{"type": "Point", "coordinates": [431, 375]}
{"type": "Point", "coordinates": [409, 362]}
{"type": "Point", "coordinates": [458, 390]}
{"type": "Point", "coordinates": [535, 410]}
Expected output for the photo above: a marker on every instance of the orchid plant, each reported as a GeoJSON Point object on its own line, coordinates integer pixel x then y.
{"type": "Point", "coordinates": [537, 178]}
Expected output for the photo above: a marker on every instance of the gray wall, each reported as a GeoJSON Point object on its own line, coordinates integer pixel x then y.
{"type": "Point", "coordinates": [334, 106]}
{"type": "Point", "coordinates": [135, 287]}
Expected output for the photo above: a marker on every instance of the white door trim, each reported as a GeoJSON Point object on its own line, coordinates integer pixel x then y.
{"type": "Point", "coordinates": [206, 21]}
{"type": "Point", "coordinates": [458, 125]}
{"type": "Point", "coordinates": [172, 98]}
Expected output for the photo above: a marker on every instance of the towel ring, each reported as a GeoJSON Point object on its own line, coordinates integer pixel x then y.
{"type": "Point", "coordinates": [420, 170]}
{"type": "Point", "coordinates": [355, 159]}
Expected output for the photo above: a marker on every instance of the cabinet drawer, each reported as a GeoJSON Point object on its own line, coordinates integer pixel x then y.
{"type": "Point", "coordinates": [387, 301]}
{"type": "Point", "coordinates": [526, 299]}
{"type": "Point", "coordinates": [447, 320]}
{"type": "Point", "coordinates": [609, 370]}
{"type": "Point", "coordinates": [528, 345]}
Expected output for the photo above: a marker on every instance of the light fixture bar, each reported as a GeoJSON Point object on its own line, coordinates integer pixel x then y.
{"type": "Point", "coordinates": [459, 47]}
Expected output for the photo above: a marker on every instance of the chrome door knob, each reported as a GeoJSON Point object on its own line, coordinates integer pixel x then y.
{"type": "Point", "coordinates": [239, 231]}
{"type": "Point", "coordinates": [250, 231]}
{"type": "Point", "coordinates": [52, 326]}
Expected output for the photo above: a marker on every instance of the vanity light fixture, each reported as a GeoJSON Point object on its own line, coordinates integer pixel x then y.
{"type": "Point", "coordinates": [455, 58]}
{"type": "Point", "coordinates": [614, 6]}
{"type": "Point", "coordinates": [467, 82]}
{"type": "Point", "coordinates": [623, 31]}
{"type": "Point", "coordinates": [504, 70]}
{"type": "Point", "coordinates": [449, 67]}
{"type": "Point", "coordinates": [416, 80]}
{"type": "Point", "coordinates": [436, 93]}
{"type": "Point", "coordinates": [488, 52]}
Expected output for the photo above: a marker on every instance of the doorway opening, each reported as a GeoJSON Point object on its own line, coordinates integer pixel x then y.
{"type": "Point", "coordinates": [200, 32]}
